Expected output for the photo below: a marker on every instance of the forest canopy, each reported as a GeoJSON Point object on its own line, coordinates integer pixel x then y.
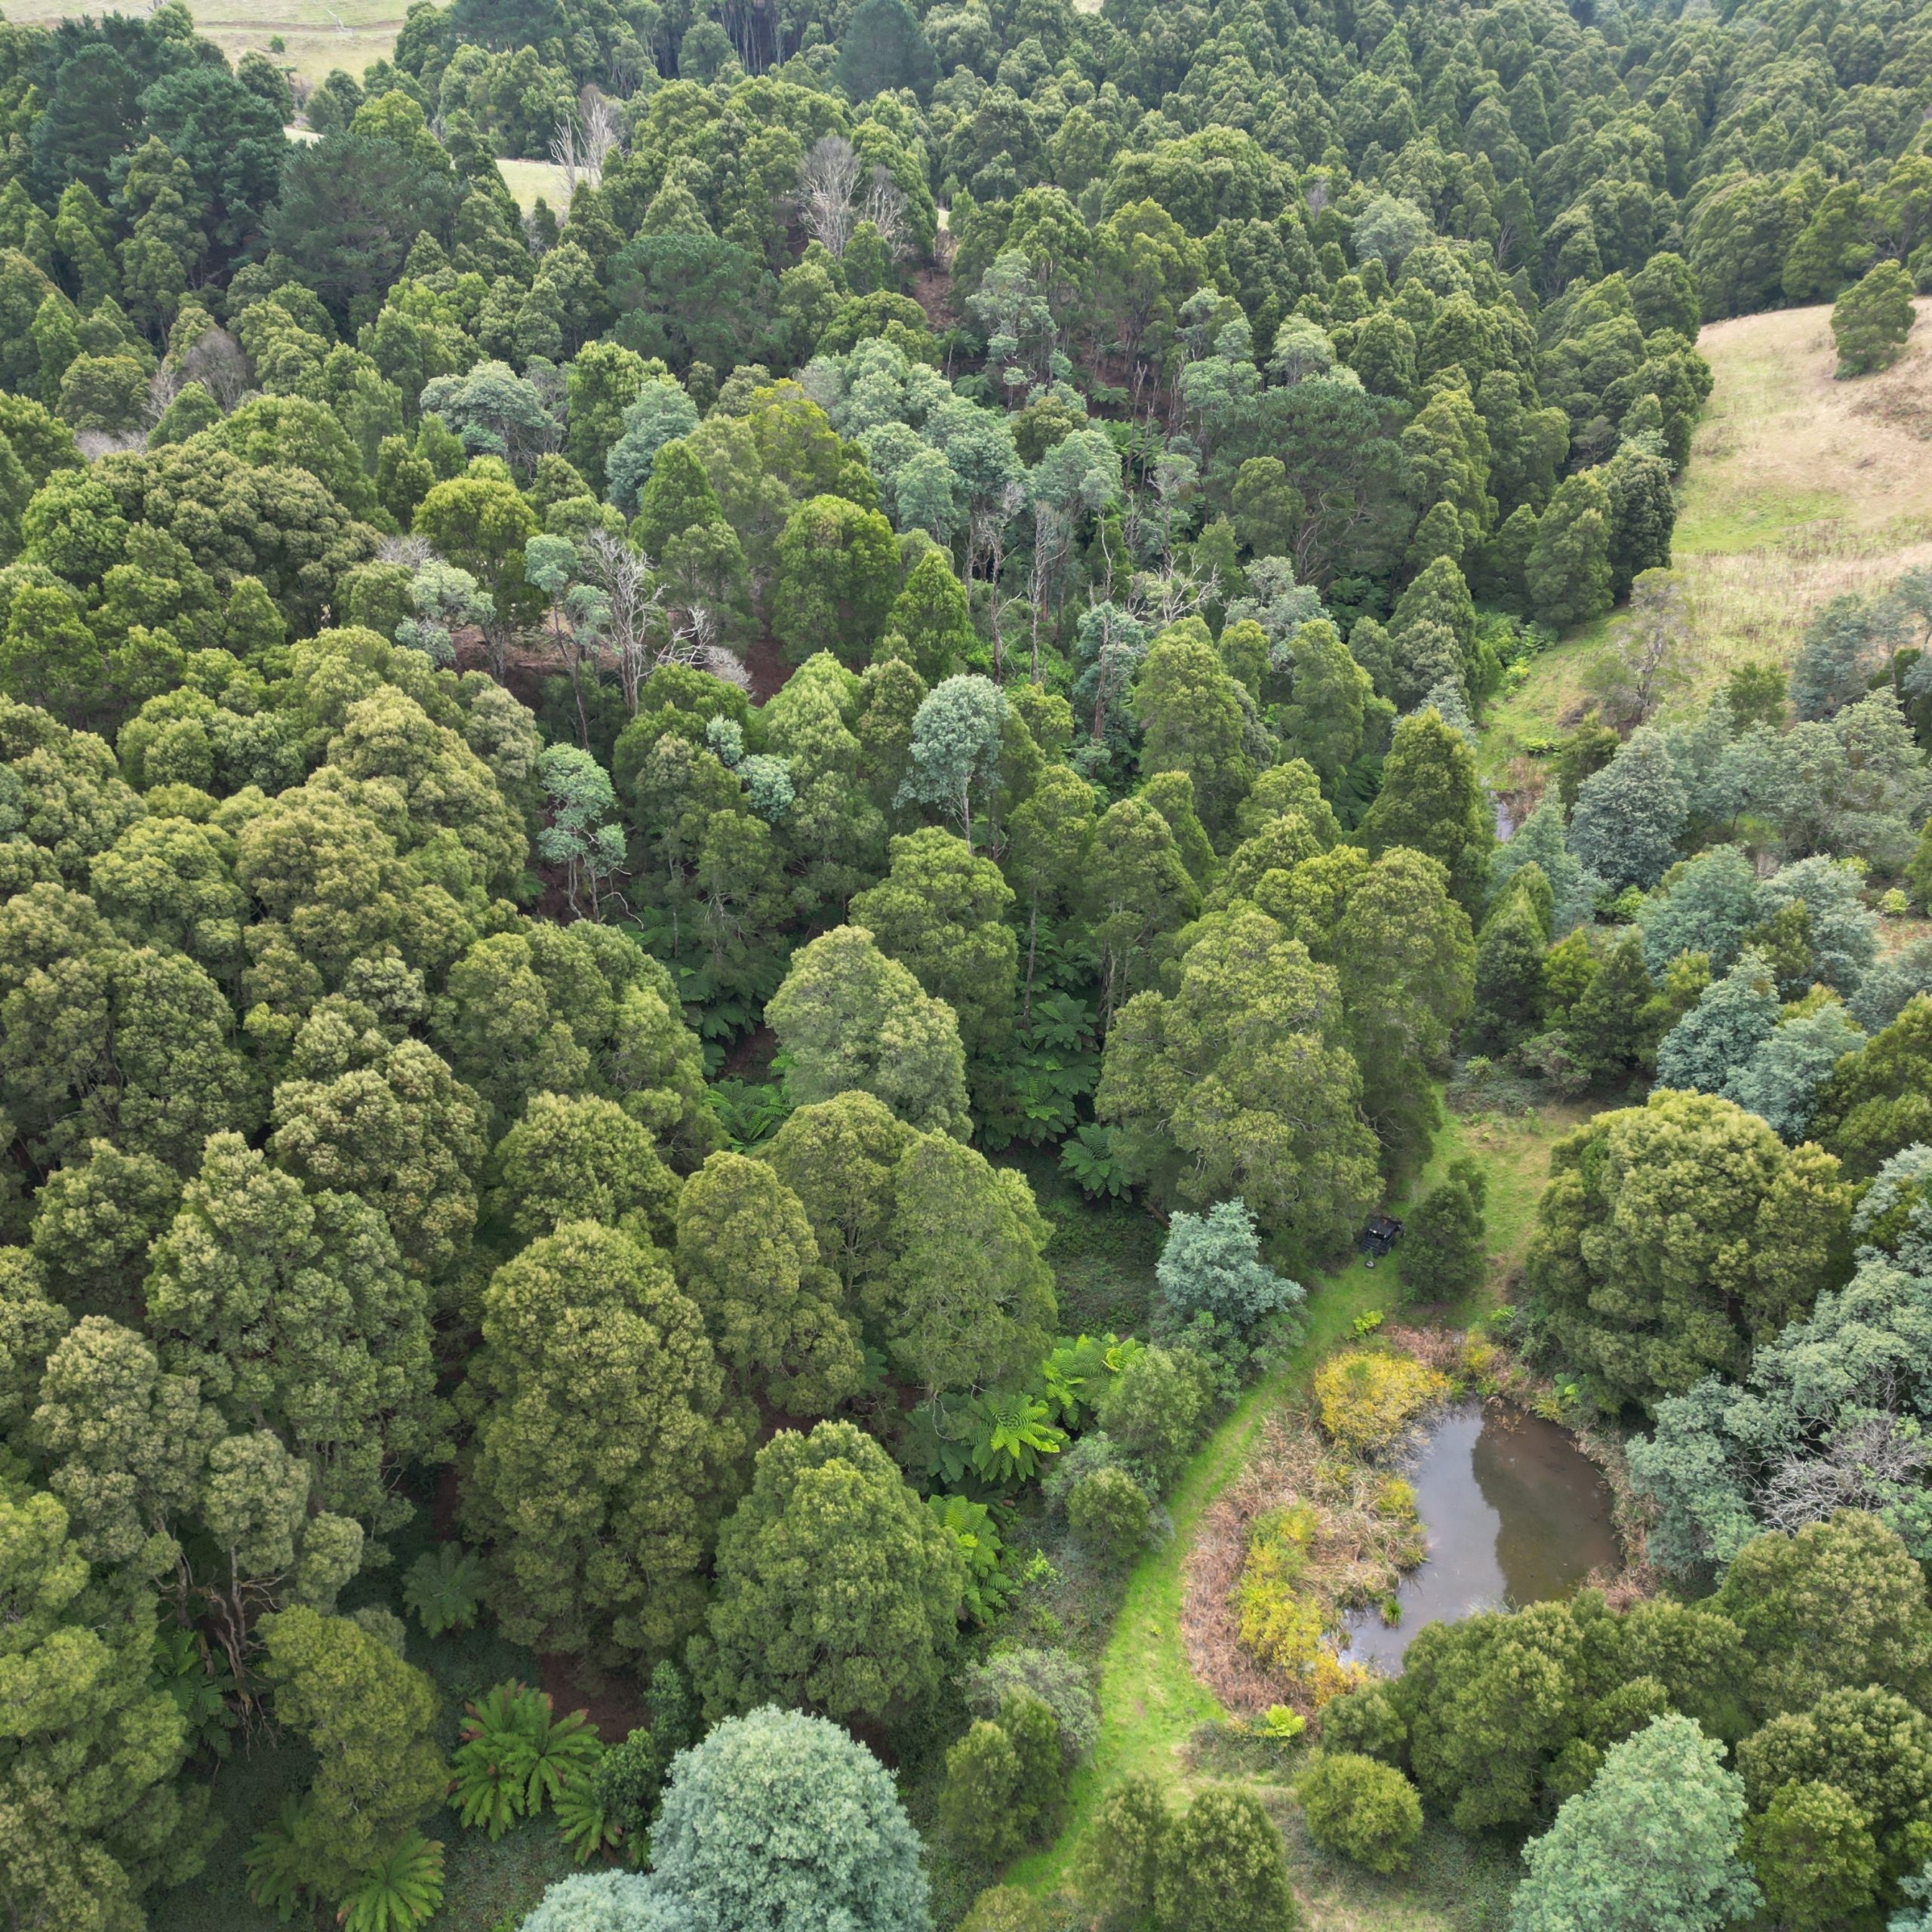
{"type": "Point", "coordinates": [631, 830]}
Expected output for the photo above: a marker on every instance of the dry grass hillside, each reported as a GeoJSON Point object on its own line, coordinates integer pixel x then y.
{"type": "Point", "coordinates": [318, 34]}
{"type": "Point", "coordinates": [1798, 487]}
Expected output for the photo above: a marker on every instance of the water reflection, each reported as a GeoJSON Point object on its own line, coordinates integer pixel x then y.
{"type": "Point", "coordinates": [1513, 1512]}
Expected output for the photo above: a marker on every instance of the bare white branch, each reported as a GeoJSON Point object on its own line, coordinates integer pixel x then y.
{"type": "Point", "coordinates": [828, 179]}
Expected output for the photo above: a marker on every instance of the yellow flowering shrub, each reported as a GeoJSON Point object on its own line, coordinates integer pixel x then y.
{"type": "Point", "coordinates": [1333, 1677]}
{"type": "Point", "coordinates": [1482, 1364]}
{"type": "Point", "coordinates": [1367, 1401]}
{"type": "Point", "coordinates": [1280, 1624]}
{"type": "Point", "coordinates": [1283, 1625]}
{"type": "Point", "coordinates": [1394, 1499]}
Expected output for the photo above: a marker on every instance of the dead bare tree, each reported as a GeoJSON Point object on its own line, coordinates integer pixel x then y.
{"type": "Point", "coordinates": [884, 207]}
{"type": "Point", "coordinates": [219, 363]}
{"type": "Point", "coordinates": [828, 179]}
{"type": "Point", "coordinates": [164, 386]}
{"type": "Point", "coordinates": [727, 665]}
{"type": "Point", "coordinates": [584, 142]}
{"type": "Point", "coordinates": [1162, 598]}
{"type": "Point", "coordinates": [1053, 542]}
{"type": "Point", "coordinates": [1862, 1464]}
{"type": "Point", "coordinates": [636, 619]}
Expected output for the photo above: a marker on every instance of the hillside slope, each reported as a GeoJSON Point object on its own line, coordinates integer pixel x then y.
{"type": "Point", "coordinates": [1798, 487]}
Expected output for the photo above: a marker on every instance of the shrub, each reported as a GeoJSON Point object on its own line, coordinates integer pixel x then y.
{"type": "Point", "coordinates": [1368, 1401]}
{"type": "Point", "coordinates": [1152, 1411]}
{"type": "Point", "coordinates": [1111, 1516]}
{"type": "Point", "coordinates": [1005, 1909]}
{"type": "Point", "coordinates": [601, 1902]}
{"type": "Point", "coordinates": [1367, 1811]}
{"type": "Point", "coordinates": [979, 1805]}
{"type": "Point", "coordinates": [1284, 1624]}
{"type": "Point", "coordinates": [1221, 1869]}
{"type": "Point", "coordinates": [1005, 1780]}
{"type": "Point", "coordinates": [1057, 1677]}
{"type": "Point", "coordinates": [1280, 1622]}
{"type": "Point", "coordinates": [1366, 1723]}
{"type": "Point", "coordinates": [1442, 1254]}
{"type": "Point", "coordinates": [780, 1819]}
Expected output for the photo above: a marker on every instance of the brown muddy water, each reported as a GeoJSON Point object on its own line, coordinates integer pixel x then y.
{"type": "Point", "coordinates": [1514, 1514]}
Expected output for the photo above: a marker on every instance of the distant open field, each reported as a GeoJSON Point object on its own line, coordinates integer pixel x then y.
{"type": "Point", "coordinates": [318, 34]}
{"type": "Point", "coordinates": [528, 180]}
{"type": "Point", "coordinates": [1798, 488]}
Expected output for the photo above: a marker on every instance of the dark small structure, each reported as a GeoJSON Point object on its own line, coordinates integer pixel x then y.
{"type": "Point", "coordinates": [1382, 1234]}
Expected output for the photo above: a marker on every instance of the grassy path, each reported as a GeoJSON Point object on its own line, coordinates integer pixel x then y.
{"type": "Point", "coordinates": [1150, 1702]}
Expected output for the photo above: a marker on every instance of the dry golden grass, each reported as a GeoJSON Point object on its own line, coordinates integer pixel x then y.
{"type": "Point", "coordinates": [1799, 488]}
{"type": "Point", "coordinates": [318, 34]}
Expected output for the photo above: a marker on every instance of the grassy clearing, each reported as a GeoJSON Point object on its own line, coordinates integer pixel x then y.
{"type": "Point", "coordinates": [1799, 488]}
{"type": "Point", "coordinates": [529, 179]}
{"type": "Point", "coordinates": [1152, 1708]}
{"type": "Point", "coordinates": [318, 34]}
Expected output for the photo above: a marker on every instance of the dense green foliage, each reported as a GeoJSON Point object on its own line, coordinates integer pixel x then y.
{"type": "Point", "coordinates": [584, 794]}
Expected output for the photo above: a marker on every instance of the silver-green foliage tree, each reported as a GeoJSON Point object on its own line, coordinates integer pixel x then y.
{"type": "Point", "coordinates": [1212, 1262]}
{"type": "Point", "coordinates": [782, 1819]}
{"type": "Point", "coordinates": [1651, 1847]}
{"type": "Point", "coordinates": [1830, 1415]}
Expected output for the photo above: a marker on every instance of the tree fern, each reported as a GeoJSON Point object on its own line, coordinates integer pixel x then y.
{"type": "Point", "coordinates": [399, 1892]}
{"type": "Point", "coordinates": [441, 1589]}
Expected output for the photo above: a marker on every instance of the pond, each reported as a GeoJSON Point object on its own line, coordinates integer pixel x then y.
{"type": "Point", "coordinates": [1514, 1513]}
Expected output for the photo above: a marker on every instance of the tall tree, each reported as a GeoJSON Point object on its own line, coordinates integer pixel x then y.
{"type": "Point", "coordinates": [1241, 1082]}
{"type": "Point", "coordinates": [1432, 801]}
{"type": "Point", "coordinates": [607, 1452]}
{"type": "Point", "coordinates": [851, 1019]}
{"type": "Point", "coordinates": [836, 1589]}
{"type": "Point", "coordinates": [1651, 1847]}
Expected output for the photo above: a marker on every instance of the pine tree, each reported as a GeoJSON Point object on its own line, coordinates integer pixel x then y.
{"type": "Point", "coordinates": [1568, 575]}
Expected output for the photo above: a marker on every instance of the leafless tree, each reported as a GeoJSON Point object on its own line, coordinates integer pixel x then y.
{"type": "Point", "coordinates": [1164, 597]}
{"type": "Point", "coordinates": [411, 552]}
{"type": "Point", "coordinates": [884, 207]}
{"type": "Point", "coordinates": [828, 179]}
{"type": "Point", "coordinates": [164, 386]}
{"type": "Point", "coordinates": [1053, 542]}
{"type": "Point", "coordinates": [1861, 1466]}
{"type": "Point", "coordinates": [727, 665]}
{"type": "Point", "coordinates": [219, 363]}
{"type": "Point", "coordinates": [584, 141]}
{"type": "Point", "coordinates": [635, 620]}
